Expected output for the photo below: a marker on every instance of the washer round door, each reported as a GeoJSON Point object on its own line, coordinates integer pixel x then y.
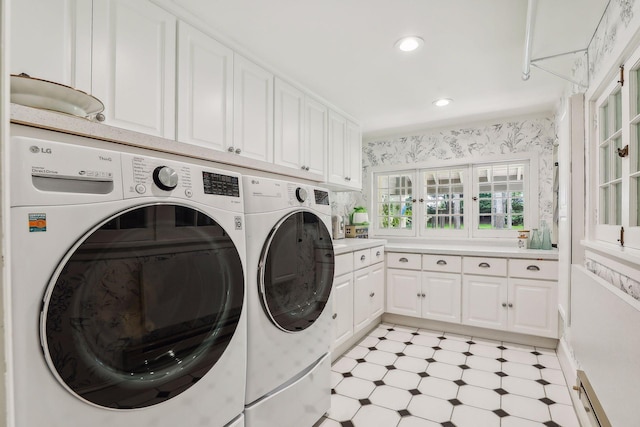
{"type": "Point", "coordinates": [143, 306]}
{"type": "Point", "coordinates": [296, 271]}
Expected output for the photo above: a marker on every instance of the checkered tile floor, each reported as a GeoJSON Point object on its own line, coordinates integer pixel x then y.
{"type": "Point", "coordinates": [406, 377]}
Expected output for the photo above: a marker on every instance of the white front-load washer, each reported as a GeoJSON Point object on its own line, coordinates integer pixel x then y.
{"type": "Point", "coordinates": [290, 265]}
{"type": "Point", "coordinates": [127, 289]}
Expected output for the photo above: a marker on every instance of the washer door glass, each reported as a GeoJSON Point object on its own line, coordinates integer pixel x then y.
{"type": "Point", "coordinates": [142, 307]}
{"type": "Point", "coordinates": [296, 271]}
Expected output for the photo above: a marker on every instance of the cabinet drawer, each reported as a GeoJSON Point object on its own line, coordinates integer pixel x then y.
{"type": "Point", "coordinates": [402, 260]}
{"type": "Point", "coordinates": [533, 269]}
{"type": "Point", "coordinates": [445, 263]}
{"type": "Point", "coordinates": [377, 254]}
{"type": "Point", "coordinates": [485, 266]}
{"type": "Point", "coordinates": [361, 258]}
{"type": "Point", "coordinates": [343, 264]}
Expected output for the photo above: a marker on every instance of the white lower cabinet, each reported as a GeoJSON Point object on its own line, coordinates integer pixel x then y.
{"type": "Point", "coordinates": [342, 309]}
{"type": "Point", "coordinates": [368, 295]}
{"type": "Point", "coordinates": [403, 288]}
{"type": "Point", "coordinates": [482, 301]}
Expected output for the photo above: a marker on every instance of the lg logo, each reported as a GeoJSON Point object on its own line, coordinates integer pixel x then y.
{"type": "Point", "coordinates": [35, 150]}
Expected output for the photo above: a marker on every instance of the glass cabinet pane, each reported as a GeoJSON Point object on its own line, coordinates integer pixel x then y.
{"type": "Point", "coordinates": [617, 116]}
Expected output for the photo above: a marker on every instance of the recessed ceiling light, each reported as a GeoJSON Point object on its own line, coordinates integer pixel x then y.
{"type": "Point", "coordinates": [409, 44]}
{"type": "Point", "coordinates": [442, 102]}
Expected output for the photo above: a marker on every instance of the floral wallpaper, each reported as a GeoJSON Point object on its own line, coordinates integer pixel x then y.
{"type": "Point", "coordinates": [467, 144]}
{"type": "Point", "coordinates": [626, 284]}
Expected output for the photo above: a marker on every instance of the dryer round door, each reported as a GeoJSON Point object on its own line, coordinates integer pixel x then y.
{"type": "Point", "coordinates": [296, 271]}
{"type": "Point", "coordinates": [143, 306]}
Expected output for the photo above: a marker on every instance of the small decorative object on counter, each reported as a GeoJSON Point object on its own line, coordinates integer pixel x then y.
{"type": "Point", "coordinates": [536, 242]}
{"type": "Point", "coordinates": [546, 236]}
{"type": "Point", "coordinates": [357, 231]}
{"type": "Point", "coordinates": [360, 216]}
{"type": "Point", "coordinates": [523, 239]}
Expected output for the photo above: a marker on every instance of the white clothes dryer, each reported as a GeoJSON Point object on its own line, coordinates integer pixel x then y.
{"type": "Point", "coordinates": [127, 289]}
{"type": "Point", "coordinates": [290, 265]}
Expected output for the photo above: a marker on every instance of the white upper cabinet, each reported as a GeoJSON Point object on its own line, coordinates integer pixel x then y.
{"type": "Point", "coordinates": [51, 40]}
{"type": "Point", "coordinates": [252, 110]}
{"type": "Point", "coordinates": [134, 63]}
{"type": "Point", "coordinates": [205, 90]}
{"type": "Point", "coordinates": [345, 153]}
{"type": "Point", "coordinates": [300, 133]}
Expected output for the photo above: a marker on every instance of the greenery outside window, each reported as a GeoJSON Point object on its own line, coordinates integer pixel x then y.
{"type": "Point", "coordinates": [394, 202]}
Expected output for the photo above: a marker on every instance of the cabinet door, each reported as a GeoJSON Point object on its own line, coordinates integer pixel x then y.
{"type": "Point", "coordinates": [337, 141]}
{"type": "Point", "coordinates": [288, 125]}
{"type": "Point", "coordinates": [354, 156]}
{"type": "Point", "coordinates": [533, 307]}
{"type": "Point", "coordinates": [51, 40]}
{"type": "Point", "coordinates": [315, 147]}
{"type": "Point", "coordinates": [403, 288]}
{"type": "Point", "coordinates": [205, 90]}
{"type": "Point", "coordinates": [252, 110]}
{"type": "Point", "coordinates": [376, 307]}
{"type": "Point", "coordinates": [442, 293]}
{"type": "Point", "coordinates": [484, 301]}
{"type": "Point", "coordinates": [342, 309]}
{"type": "Point", "coordinates": [361, 299]}
{"type": "Point", "coordinates": [134, 65]}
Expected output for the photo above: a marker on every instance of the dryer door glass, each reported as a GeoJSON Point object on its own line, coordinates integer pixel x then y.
{"type": "Point", "coordinates": [143, 306]}
{"type": "Point", "coordinates": [296, 271]}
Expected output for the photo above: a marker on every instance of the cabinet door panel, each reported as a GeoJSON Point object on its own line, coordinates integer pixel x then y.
{"type": "Point", "coordinates": [342, 309]}
{"type": "Point", "coordinates": [482, 299]}
{"type": "Point", "coordinates": [337, 141]}
{"type": "Point", "coordinates": [288, 125]}
{"type": "Point", "coordinates": [133, 72]}
{"type": "Point", "coordinates": [533, 307]}
{"type": "Point", "coordinates": [205, 90]}
{"type": "Point", "coordinates": [354, 155]}
{"type": "Point", "coordinates": [252, 110]}
{"type": "Point", "coordinates": [442, 296]}
{"type": "Point", "coordinates": [361, 298]}
{"type": "Point", "coordinates": [316, 136]}
{"type": "Point", "coordinates": [377, 290]}
{"type": "Point", "coordinates": [403, 287]}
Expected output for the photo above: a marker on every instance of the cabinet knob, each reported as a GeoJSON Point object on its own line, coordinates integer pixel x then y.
{"type": "Point", "coordinates": [362, 258]}
{"type": "Point", "coordinates": [303, 168]}
{"type": "Point", "coordinates": [238, 151]}
{"type": "Point", "coordinates": [306, 168]}
{"type": "Point", "coordinates": [510, 305]}
{"type": "Point", "coordinates": [533, 268]}
{"type": "Point", "coordinates": [378, 253]}
{"type": "Point", "coordinates": [334, 315]}
{"type": "Point", "coordinates": [484, 265]}
{"type": "Point", "coordinates": [424, 295]}
{"type": "Point", "coordinates": [230, 149]}
{"type": "Point", "coordinates": [372, 294]}
{"type": "Point", "coordinates": [403, 259]}
{"type": "Point", "coordinates": [441, 262]}
{"type": "Point", "coordinates": [419, 295]}
{"type": "Point", "coordinates": [504, 304]}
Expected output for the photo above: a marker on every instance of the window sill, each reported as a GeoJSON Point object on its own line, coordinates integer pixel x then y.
{"type": "Point", "coordinates": [615, 252]}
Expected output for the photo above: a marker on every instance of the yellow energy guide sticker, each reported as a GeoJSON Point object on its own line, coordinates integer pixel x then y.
{"type": "Point", "coordinates": [37, 222]}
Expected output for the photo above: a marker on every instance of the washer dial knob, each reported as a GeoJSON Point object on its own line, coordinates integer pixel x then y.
{"type": "Point", "coordinates": [165, 178]}
{"type": "Point", "coordinates": [301, 194]}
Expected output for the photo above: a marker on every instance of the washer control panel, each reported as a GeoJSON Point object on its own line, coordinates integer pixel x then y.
{"type": "Point", "coordinates": [223, 185]}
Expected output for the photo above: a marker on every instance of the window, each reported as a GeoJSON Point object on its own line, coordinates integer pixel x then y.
{"type": "Point", "coordinates": [482, 200]}
{"type": "Point", "coordinates": [616, 158]}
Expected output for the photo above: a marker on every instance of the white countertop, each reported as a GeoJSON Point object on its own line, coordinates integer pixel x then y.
{"type": "Point", "coordinates": [489, 251]}
{"type": "Point", "coordinates": [343, 246]}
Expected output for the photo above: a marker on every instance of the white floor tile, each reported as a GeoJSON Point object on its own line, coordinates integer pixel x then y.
{"type": "Point", "coordinates": [512, 421]}
{"type": "Point", "coordinates": [549, 361]}
{"type": "Point", "coordinates": [450, 357]}
{"type": "Point", "coordinates": [403, 328]}
{"type": "Point", "coordinates": [482, 350]}
{"type": "Point", "coordinates": [329, 423]}
{"type": "Point", "coordinates": [466, 416]}
{"type": "Point", "coordinates": [383, 358]}
{"type": "Point", "coordinates": [379, 332]}
{"type": "Point", "coordinates": [369, 371]}
{"type": "Point", "coordinates": [369, 342]}
{"type": "Point", "coordinates": [483, 363]}
{"type": "Point", "coordinates": [519, 357]}
{"type": "Point", "coordinates": [553, 376]}
{"type": "Point", "coordinates": [430, 332]}
{"type": "Point", "coordinates": [523, 387]}
{"type": "Point", "coordinates": [454, 345]}
{"type": "Point", "coordinates": [444, 371]}
{"type": "Point", "coordinates": [372, 415]}
{"type": "Point", "coordinates": [411, 364]}
{"type": "Point", "coordinates": [546, 351]}
{"type": "Point", "coordinates": [419, 351]}
{"type": "Point", "coordinates": [412, 421]}
{"type": "Point", "coordinates": [558, 393]}
{"type": "Point", "coordinates": [564, 415]}
{"type": "Point", "coordinates": [390, 397]}
{"type": "Point", "coordinates": [519, 347]}
{"type": "Point", "coordinates": [356, 388]}
{"type": "Point", "coordinates": [521, 371]}
{"type": "Point", "coordinates": [399, 336]}
{"type": "Point", "coordinates": [486, 341]}
{"type": "Point", "coordinates": [524, 407]}
{"type": "Point", "coordinates": [458, 337]}
{"type": "Point", "coordinates": [343, 408]}
{"type": "Point", "coordinates": [344, 364]}
{"type": "Point", "coordinates": [481, 378]}
{"type": "Point", "coordinates": [357, 352]}
{"type": "Point", "coordinates": [430, 408]}
{"type": "Point", "coordinates": [437, 387]}
{"type": "Point", "coordinates": [402, 379]}
{"type": "Point", "coordinates": [425, 340]}
{"type": "Point", "coordinates": [391, 346]}
{"type": "Point", "coordinates": [479, 397]}
{"type": "Point", "coordinates": [336, 377]}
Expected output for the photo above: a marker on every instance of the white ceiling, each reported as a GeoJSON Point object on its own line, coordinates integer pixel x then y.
{"type": "Point", "coordinates": [473, 52]}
